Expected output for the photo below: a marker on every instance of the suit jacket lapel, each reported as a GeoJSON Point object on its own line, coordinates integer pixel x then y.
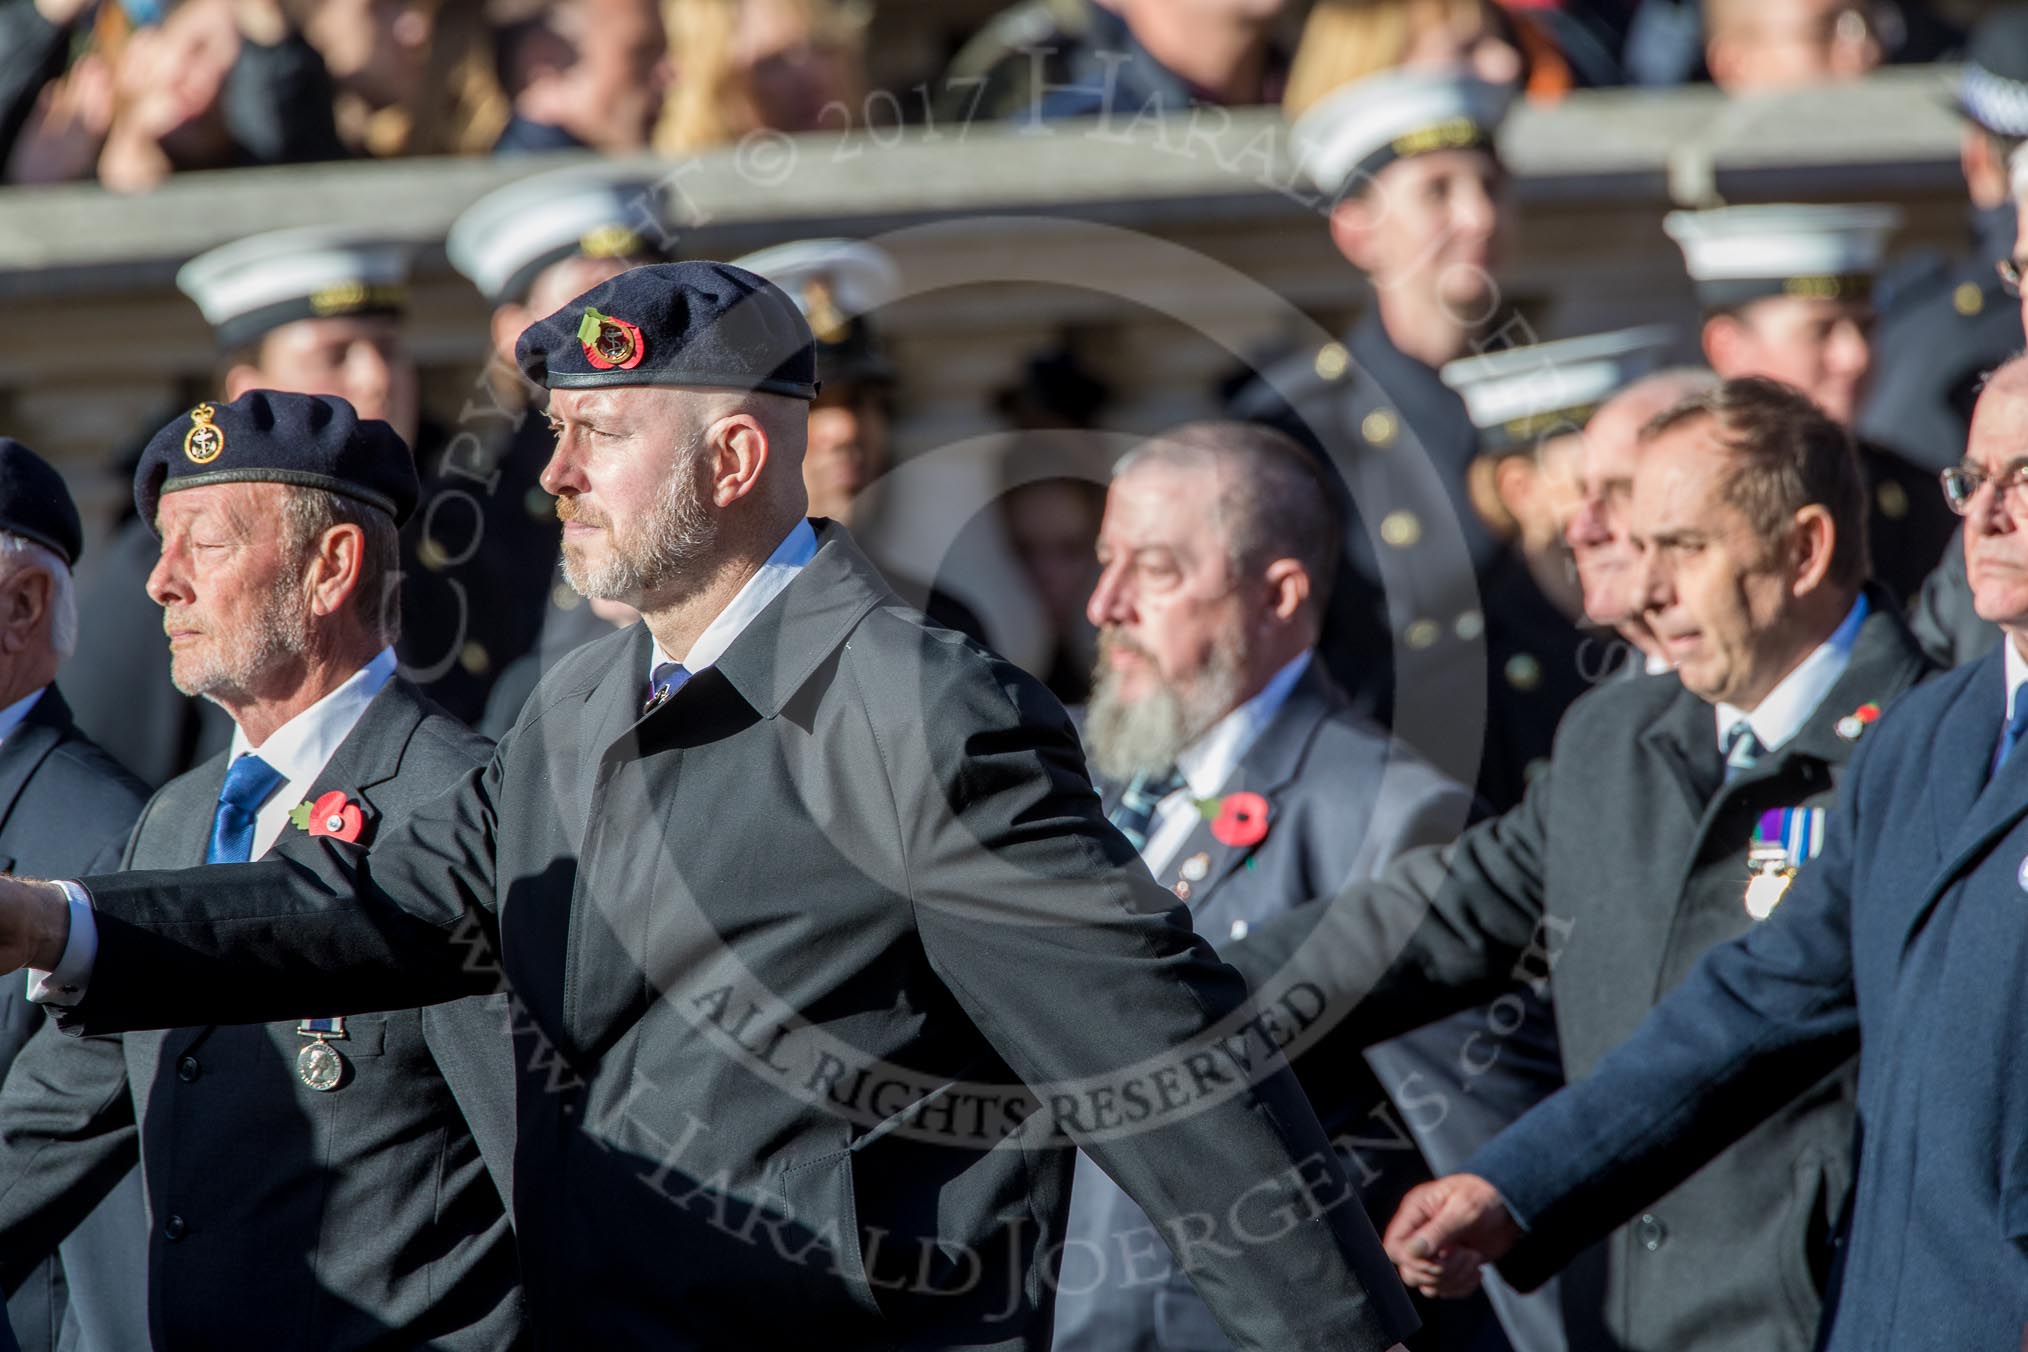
{"type": "Point", "coordinates": [1966, 738]}
{"type": "Point", "coordinates": [1269, 766]}
{"type": "Point", "coordinates": [370, 754]}
{"type": "Point", "coordinates": [1684, 740]}
{"type": "Point", "coordinates": [27, 747]}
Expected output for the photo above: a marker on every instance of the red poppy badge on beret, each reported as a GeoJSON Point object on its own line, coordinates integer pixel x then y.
{"type": "Point", "coordinates": [610, 344]}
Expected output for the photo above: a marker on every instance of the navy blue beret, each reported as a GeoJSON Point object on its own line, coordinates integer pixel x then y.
{"type": "Point", "coordinates": [267, 436]}
{"type": "Point", "coordinates": [35, 503]}
{"type": "Point", "coordinates": [699, 324]}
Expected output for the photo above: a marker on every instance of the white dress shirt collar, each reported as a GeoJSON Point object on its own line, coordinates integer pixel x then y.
{"type": "Point", "coordinates": [791, 556]}
{"type": "Point", "coordinates": [300, 748]}
{"type": "Point", "coordinates": [1789, 705]}
{"type": "Point", "coordinates": [11, 716]}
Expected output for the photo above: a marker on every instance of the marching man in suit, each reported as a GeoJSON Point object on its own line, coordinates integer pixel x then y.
{"type": "Point", "coordinates": [813, 907]}
{"type": "Point", "coordinates": [1218, 548]}
{"type": "Point", "coordinates": [317, 1183]}
{"type": "Point", "coordinates": [1902, 941]}
{"type": "Point", "coordinates": [63, 802]}
{"type": "Point", "coordinates": [1672, 815]}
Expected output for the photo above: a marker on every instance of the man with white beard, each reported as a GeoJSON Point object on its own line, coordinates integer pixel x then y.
{"type": "Point", "coordinates": [1229, 757]}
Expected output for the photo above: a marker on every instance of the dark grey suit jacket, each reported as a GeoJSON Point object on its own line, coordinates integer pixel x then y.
{"type": "Point", "coordinates": [1343, 801]}
{"type": "Point", "coordinates": [822, 950]}
{"type": "Point", "coordinates": [278, 1216]}
{"type": "Point", "coordinates": [65, 809]}
{"type": "Point", "coordinates": [1624, 865]}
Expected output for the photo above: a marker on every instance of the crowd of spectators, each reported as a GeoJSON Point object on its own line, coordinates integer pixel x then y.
{"type": "Point", "coordinates": [130, 91]}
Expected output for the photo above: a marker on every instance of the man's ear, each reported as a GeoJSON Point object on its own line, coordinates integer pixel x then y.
{"type": "Point", "coordinates": [1724, 340]}
{"type": "Point", "coordinates": [1814, 541]}
{"type": "Point", "coordinates": [335, 570]}
{"type": "Point", "coordinates": [24, 601]}
{"type": "Point", "coordinates": [1288, 585]}
{"type": "Point", "coordinates": [509, 321]}
{"type": "Point", "coordinates": [240, 379]}
{"type": "Point", "coordinates": [740, 450]}
{"type": "Point", "coordinates": [1352, 223]}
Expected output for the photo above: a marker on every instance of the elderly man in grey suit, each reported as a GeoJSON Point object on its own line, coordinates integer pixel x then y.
{"type": "Point", "coordinates": [64, 803]}
{"type": "Point", "coordinates": [1228, 756]}
{"type": "Point", "coordinates": [1671, 819]}
{"type": "Point", "coordinates": [320, 1183]}
{"type": "Point", "coordinates": [813, 906]}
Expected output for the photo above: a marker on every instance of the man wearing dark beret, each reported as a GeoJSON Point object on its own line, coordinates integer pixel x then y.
{"type": "Point", "coordinates": [318, 1182]}
{"type": "Point", "coordinates": [64, 803]}
{"type": "Point", "coordinates": [830, 951]}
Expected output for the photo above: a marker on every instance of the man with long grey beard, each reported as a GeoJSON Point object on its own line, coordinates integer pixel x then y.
{"type": "Point", "coordinates": [1228, 756]}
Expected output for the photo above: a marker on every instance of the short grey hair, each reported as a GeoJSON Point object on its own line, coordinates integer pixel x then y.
{"type": "Point", "coordinates": [20, 551]}
{"type": "Point", "coordinates": [1279, 501]}
{"type": "Point", "coordinates": [308, 512]}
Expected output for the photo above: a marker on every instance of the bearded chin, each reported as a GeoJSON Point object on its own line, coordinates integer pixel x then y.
{"type": "Point", "coordinates": [1145, 734]}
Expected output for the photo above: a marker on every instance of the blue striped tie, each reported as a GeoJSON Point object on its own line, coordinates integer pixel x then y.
{"type": "Point", "coordinates": [249, 782]}
{"type": "Point", "coordinates": [1136, 808]}
{"type": "Point", "coordinates": [2011, 735]}
{"type": "Point", "coordinates": [1742, 749]}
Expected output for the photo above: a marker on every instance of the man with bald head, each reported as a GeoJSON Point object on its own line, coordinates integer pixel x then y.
{"type": "Point", "coordinates": [1596, 531]}
{"type": "Point", "coordinates": [825, 946]}
{"type": "Point", "coordinates": [1902, 941]}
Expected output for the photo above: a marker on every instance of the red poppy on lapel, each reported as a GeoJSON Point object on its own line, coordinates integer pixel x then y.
{"type": "Point", "coordinates": [331, 815]}
{"type": "Point", "coordinates": [1238, 819]}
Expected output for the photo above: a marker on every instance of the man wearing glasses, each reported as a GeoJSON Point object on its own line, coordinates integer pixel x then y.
{"type": "Point", "coordinates": [1902, 940]}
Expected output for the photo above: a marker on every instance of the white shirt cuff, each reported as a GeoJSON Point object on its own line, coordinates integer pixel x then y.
{"type": "Point", "coordinates": [66, 985]}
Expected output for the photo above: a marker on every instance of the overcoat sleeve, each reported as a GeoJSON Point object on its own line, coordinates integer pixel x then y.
{"type": "Point", "coordinates": [1087, 980]}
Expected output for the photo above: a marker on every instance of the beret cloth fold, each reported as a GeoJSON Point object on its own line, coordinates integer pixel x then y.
{"type": "Point", "coordinates": [692, 323]}
{"type": "Point", "coordinates": [268, 436]}
{"type": "Point", "coordinates": [35, 503]}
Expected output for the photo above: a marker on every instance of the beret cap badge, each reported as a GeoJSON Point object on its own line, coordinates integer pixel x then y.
{"type": "Point", "coordinates": [205, 441]}
{"type": "Point", "coordinates": [609, 343]}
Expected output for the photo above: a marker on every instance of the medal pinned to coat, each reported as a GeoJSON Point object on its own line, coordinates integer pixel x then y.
{"type": "Point", "coordinates": [1784, 839]}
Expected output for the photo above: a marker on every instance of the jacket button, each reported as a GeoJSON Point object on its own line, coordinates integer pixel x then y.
{"type": "Point", "coordinates": [173, 1228]}
{"type": "Point", "coordinates": [187, 1069]}
{"type": "Point", "coordinates": [1650, 1233]}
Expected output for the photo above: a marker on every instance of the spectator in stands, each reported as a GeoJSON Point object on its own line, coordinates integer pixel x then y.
{"type": "Point", "coordinates": [584, 73]}
{"type": "Point", "coordinates": [1544, 51]}
{"type": "Point", "coordinates": [753, 65]}
{"type": "Point", "coordinates": [1755, 45]}
{"type": "Point", "coordinates": [1052, 525]}
{"type": "Point", "coordinates": [413, 77]}
{"type": "Point", "coordinates": [215, 84]}
{"type": "Point", "coordinates": [1156, 56]}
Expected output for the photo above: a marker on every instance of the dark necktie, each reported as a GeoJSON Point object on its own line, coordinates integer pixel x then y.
{"type": "Point", "coordinates": [1742, 749]}
{"type": "Point", "coordinates": [667, 679]}
{"type": "Point", "coordinates": [1136, 808]}
{"type": "Point", "coordinates": [249, 781]}
{"type": "Point", "coordinates": [2011, 735]}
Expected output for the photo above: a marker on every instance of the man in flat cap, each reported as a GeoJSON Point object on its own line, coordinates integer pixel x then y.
{"type": "Point", "coordinates": [1416, 198]}
{"type": "Point", "coordinates": [318, 1181]}
{"type": "Point", "coordinates": [64, 803]}
{"type": "Point", "coordinates": [831, 951]}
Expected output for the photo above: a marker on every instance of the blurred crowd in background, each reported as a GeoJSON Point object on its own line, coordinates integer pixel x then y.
{"type": "Point", "coordinates": [129, 93]}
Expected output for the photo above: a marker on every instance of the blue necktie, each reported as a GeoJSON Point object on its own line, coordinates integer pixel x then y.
{"type": "Point", "coordinates": [1742, 749]}
{"type": "Point", "coordinates": [2011, 735]}
{"type": "Point", "coordinates": [248, 783]}
{"type": "Point", "coordinates": [667, 679]}
{"type": "Point", "coordinates": [1135, 811]}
